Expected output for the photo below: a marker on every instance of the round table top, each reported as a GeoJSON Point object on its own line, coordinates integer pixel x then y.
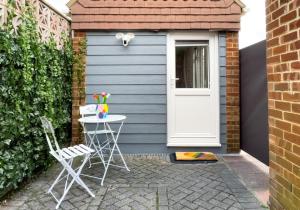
{"type": "Point", "coordinates": [109, 118]}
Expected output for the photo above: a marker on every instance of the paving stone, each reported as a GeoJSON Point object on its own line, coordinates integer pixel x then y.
{"type": "Point", "coordinates": [247, 200]}
{"type": "Point", "coordinates": [250, 205]}
{"type": "Point", "coordinates": [217, 208]}
{"type": "Point", "coordinates": [142, 198]}
{"type": "Point", "coordinates": [8, 208]}
{"type": "Point", "coordinates": [153, 183]}
{"type": "Point", "coordinates": [67, 205]}
{"type": "Point", "coordinates": [188, 204]}
{"type": "Point", "coordinates": [163, 208]}
{"type": "Point", "coordinates": [92, 208]}
{"type": "Point", "coordinates": [228, 201]}
{"type": "Point", "coordinates": [162, 197]}
{"type": "Point", "coordinates": [15, 203]}
{"type": "Point", "coordinates": [233, 208]}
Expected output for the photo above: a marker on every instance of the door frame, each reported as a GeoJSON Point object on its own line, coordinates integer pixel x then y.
{"type": "Point", "coordinates": [214, 70]}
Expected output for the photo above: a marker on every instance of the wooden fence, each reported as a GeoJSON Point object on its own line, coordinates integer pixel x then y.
{"type": "Point", "coordinates": [51, 23]}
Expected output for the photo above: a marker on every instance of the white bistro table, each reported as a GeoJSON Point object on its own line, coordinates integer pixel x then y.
{"type": "Point", "coordinates": [92, 136]}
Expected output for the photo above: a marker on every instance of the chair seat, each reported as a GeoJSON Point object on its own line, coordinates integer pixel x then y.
{"type": "Point", "coordinates": [75, 151]}
{"type": "Point", "coordinates": [99, 132]}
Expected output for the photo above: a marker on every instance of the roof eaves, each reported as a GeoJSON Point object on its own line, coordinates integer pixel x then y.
{"type": "Point", "coordinates": [71, 2]}
{"type": "Point", "coordinates": [240, 3]}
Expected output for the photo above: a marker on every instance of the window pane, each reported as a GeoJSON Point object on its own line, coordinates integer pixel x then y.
{"type": "Point", "coordinates": [192, 65]}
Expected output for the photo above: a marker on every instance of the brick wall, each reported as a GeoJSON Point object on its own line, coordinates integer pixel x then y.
{"type": "Point", "coordinates": [78, 90]}
{"type": "Point", "coordinates": [283, 55]}
{"type": "Point", "coordinates": [233, 92]}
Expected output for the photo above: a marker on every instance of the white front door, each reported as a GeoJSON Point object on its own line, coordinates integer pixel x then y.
{"type": "Point", "coordinates": [193, 90]}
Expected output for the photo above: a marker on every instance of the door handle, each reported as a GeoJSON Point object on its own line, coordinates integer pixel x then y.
{"type": "Point", "coordinates": [173, 82]}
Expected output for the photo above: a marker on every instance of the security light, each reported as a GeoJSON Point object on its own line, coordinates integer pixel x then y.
{"type": "Point", "coordinates": [125, 38]}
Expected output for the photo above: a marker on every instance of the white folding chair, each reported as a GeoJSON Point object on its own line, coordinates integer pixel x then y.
{"type": "Point", "coordinates": [99, 146]}
{"type": "Point", "coordinates": [66, 156]}
{"type": "Point", "coordinates": [87, 110]}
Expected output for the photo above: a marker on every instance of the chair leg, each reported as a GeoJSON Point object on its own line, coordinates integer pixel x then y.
{"type": "Point", "coordinates": [56, 180]}
{"type": "Point", "coordinates": [58, 177]}
{"type": "Point", "coordinates": [79, 180]}
{"type": "Point", "coordinates": [75, 177]}
{"type": "Point", "coordinates": [65, 193]}
{"type": "Point", "coordinates": [86, 141]}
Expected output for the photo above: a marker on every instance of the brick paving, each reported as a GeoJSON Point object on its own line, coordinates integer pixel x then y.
{"type": "Point", "coordinates": [153, 183]}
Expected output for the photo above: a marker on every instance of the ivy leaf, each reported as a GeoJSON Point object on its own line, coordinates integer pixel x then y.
{"type": "Point", "coordinates": [7, 141]}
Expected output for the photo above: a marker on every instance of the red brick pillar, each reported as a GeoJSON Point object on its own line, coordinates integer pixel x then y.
{"type": "Point", "coordinates": [78, 87]}
{"type": "Point", "coordinates": [283, 65]}
{"type": "Point", "coordinates": [233, 92]}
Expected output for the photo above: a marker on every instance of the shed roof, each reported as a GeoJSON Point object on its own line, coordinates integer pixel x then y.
{"type": "Point", "coordinates": [156, 14]}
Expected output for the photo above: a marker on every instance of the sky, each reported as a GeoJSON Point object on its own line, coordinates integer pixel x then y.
{"type": "Point", "coordinates": [60, 5]}
{"type": "Point", "coordinates": [253, 22]}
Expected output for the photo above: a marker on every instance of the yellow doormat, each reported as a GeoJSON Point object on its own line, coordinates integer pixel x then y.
{"type": "Point", "coordinates": [206, 156]}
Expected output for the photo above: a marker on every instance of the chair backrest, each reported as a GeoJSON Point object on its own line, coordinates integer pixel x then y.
{"type": "Point", "coordinates": [87, 110]}
{"type": "Point", "coordinates": [50, 135]}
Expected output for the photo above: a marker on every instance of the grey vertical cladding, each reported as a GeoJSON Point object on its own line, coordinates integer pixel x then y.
{"type": "Point", "coordinates": [136, 77]}
{"type": "Point", "coordinates": [222, 63]}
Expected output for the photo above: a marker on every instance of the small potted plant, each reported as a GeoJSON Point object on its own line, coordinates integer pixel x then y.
{"type": "Point", "coordinates": [102, 107]}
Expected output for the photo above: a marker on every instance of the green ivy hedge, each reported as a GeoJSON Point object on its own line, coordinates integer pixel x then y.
{"type": "Point", "coordinates": [35, 80]}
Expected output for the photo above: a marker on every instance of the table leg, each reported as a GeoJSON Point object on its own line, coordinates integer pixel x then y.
{"type": "Point", "coordinates": [115, 139]}
{"type": "Point", "coordinates": [92, 143]}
